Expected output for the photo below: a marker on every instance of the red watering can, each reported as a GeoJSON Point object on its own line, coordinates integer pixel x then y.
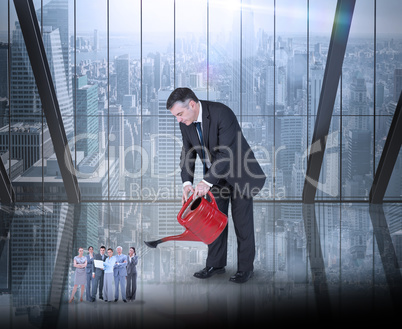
{"type": "Point", "coordinates": [202, 219]}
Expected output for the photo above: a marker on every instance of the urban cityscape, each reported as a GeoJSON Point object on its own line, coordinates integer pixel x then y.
{"type": "Point", "coordinates": [112, 90]}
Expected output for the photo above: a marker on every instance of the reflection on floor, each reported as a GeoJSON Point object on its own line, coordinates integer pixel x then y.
{"type": "Point", "coordinates": [339, 265]}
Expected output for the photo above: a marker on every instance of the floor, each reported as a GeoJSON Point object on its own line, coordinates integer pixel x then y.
{"type": "Point", "coordinates": [307, 280]}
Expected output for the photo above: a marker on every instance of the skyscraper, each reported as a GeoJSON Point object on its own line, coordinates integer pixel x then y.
{"type": "Point", "coordinates": [122, 65]}
{"type": "Point", "coordinates": [397, 83]}
{"type": "Point", "coordinates": [55, 14]}
{"type": "Point", "coordinates": [26, 142]}
{"type": "Point", "coordinates": [23, 82]}
{"type": "Point", "coordinates": [86, 102]}
{"type": "Point", "coordinates": [3, 70]}
{"type": "Point", "coordinates": [96, 40]}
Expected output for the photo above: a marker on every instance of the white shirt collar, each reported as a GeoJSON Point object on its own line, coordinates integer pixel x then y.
{"type": "Point", "coordinates": [199, 119]}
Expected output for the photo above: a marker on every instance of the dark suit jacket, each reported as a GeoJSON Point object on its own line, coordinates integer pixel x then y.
{"type": "Point", "coordinates": [131, 267]}
{"type": "Point", "coordinates": [98, 271]}
{"type": "Point", "coordinates": [90, 264]}
{"type": "Point", "coordinates": [231, 157]}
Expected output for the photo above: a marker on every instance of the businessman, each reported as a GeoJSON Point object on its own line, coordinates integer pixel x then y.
{"type": "Point", "coordinates": [98, 274]}
{"type": "Point", "coordinates": [120, 273]}
{"type": "Point", "coordinates": [231, 173]}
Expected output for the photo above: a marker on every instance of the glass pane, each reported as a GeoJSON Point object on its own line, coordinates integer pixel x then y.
{"type": "Point", "coordinates": [358, 65]}
{"type": "Point", "coordinates": [224, 52]}
{"type": "Point", "coordinates": [321, 19]}
{"type": "Point", "coordinates": [329, 181]}
{"type": "Point", "coordinates": [357, 157]}
{"type": "Point", "coordinates": [290, 155]}
{"type": "Point", "coordinates": [131, 158]}
{"type": "Point", "coordinates": [259, 132]}
{"type": "Point", "coordinates": [389, 56]}
{"type": "Point", "coordinates": [91, 99]}
{"type": "Point", "coordinates": [191, 45]}
{"type": "Point", "coordinates": [291, 56]}
{"type": "Point", "coordinates": [92, 163]}
{"type": "Point", "coordinates": [388, 83]}
{"type": "Point", "coordinates": [125, 53]}
{"type": "Point", "coordinates": [383, 123]}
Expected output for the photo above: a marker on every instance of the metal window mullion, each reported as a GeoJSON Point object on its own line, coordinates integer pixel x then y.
{"type": "Point", "coordinates": [141, 114]}
{"type": "Point", "coordinates": [108, 99]}
{"type": "Point", "coordinates": [330, 84]}
{"type": "Point", "coordinates": [388, 158]}
{"type": "Point", "coordinates": [50, 106]}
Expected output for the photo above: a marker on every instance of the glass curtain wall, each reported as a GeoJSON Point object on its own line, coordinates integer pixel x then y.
{"type": "Point", "coordinates": [115, 63]}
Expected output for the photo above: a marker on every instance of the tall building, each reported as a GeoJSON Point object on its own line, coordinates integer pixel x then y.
{"type": "Point", "coordinates": [379, 95]}
{"type": "Point", "coordinates": [290, 145]}
{"type": "Point", "coordinates": [316, 76]}
{"type": "Point", "coordinates": [38, 228]}
{"type": "Point", "coordinates": [397, 83]}
{"type": "Point", "coordinates": [3, 70]}
{"type": "Point", "coordinates": [249, 49]}
{"type": "Point", "coordinates": [276, 84]}
{"type": "Point", "coordinates": [86, 114]}
{"type": "Point", "coordinates": [195, 80]}
{"type": "Point", "coordinates": [29, 142]}
{"type": "Point", "coordinates": [359, 155]}
{"type": "Point", "coordinates": [55, 14]}
{"type": "Point", "coordinates": [157, 71]}
{"type": "Point", "coordinates": [23, 82]}
{"type": "Point", "coordinates": [166, 163]}
{"type": "Point", "coordinates": [96, 40]}
{"type": "Point", "coordinates": [116, 141]}
{"type": "Point", "coordinates": [358, 104]}
{"type": "Point", "coordinates": [122, 66]}
{"type": "Point", "coordinates": [165, 80]}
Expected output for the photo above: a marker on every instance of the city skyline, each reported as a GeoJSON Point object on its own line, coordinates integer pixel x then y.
{"type": "Point", "coordinates": [112, 86]}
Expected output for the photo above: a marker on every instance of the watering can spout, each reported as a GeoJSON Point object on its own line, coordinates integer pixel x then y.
{"type": "Point", "coordinates": [185, 236]}
{"type": "Point", "coordinates": [153, 244]}
{"type": "Point", "coordinates": [202, 219]}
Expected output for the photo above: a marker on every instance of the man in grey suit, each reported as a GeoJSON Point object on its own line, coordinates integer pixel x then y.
{"type": "Point", "coordinates": [132, 261]}
{"type": "Point", "coordinates": [98, 274]}
{"type": "Point", "coordinates": [120, 273]}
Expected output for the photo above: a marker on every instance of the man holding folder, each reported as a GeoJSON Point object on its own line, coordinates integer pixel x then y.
{"type": "Point", "coordinates": [98, 273]}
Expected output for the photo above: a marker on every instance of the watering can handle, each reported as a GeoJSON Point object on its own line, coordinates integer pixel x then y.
{"type": "Point", "coordinates": [180, 214]}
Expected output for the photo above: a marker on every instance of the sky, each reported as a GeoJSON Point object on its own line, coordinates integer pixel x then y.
{"type": "Point", "coordinates": [158, 15]}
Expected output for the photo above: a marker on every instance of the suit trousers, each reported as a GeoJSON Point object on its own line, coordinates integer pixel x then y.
{"type": "Point", "coordinates": [89, 286]}
{"type": "Point", "coordinates": [131, 285]}
{"type": "Point", "coordinates": [98, 280]}
{"type": "Point", "coordinates": [243, 220]}
{"type": "Point", "coordinates": [108, 287]}
{"type": "Point", "coordinates": [122, 280]}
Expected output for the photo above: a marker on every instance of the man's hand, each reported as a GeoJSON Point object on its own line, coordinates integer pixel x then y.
{"type": "Point", "coordinates": [201, 189]}
{"type": "Point", "coordinates": [186, 191]}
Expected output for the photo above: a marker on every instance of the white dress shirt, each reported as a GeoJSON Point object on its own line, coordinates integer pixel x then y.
{"type": "Point", "coordinates": [207, 161]}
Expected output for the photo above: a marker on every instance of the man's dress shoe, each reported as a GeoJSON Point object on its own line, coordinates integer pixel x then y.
{"type": "Point", "coordinates": [241, 277]}
{"type": "Point", "coordinates": [208, 272]}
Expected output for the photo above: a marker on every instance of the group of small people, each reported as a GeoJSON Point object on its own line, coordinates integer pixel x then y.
{"type": "Point", "coordinates": [119, 268]}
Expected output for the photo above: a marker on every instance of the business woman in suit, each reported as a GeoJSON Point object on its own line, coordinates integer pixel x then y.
{"type": "Point", "coordinates": [231, 172]}
{"type": "Point", "coordinates": [132, 261]}
{"type": "Point", "coordinates": [88, 271]}
{"type": "Point", "coordinates": [80, 263]}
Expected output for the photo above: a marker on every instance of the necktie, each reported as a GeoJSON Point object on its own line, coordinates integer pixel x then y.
{"type": "Point", "coordinates": [198, 126]}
